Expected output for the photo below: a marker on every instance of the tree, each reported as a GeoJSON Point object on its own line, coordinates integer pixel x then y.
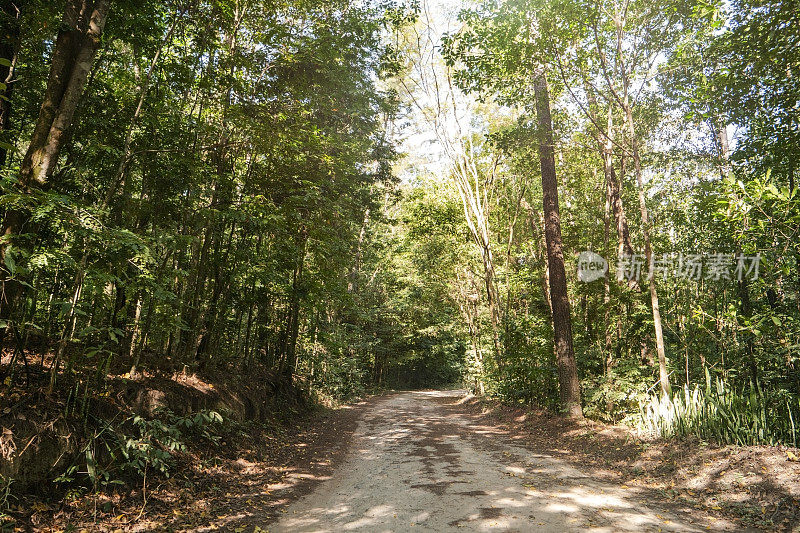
{"type": "Point", "coordinates": [491, 59]}
{"type": "Point", "coordinates": [75, 47]}
{"type": "Point", "coordinates": [567, 370]}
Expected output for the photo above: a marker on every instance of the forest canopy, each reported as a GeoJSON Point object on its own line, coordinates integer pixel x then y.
{"type": "Point", "coordinates": [365, 195]}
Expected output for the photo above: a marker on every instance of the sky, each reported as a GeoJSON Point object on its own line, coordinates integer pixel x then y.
{"type": "Point", "coordinates": [416, 133]}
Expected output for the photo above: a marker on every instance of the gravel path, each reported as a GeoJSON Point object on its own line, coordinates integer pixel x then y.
{"type": "Point", "coordinates": [417, 464]}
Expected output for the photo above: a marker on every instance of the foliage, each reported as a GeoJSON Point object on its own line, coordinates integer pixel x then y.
{"type": "Point", "coordinates": [230, 195]}
{"type": "Point", "coordinates": [722, 414]}
{"type": "Point", "coordinates": [142, 444]}
{"type": "Point", "coordinates": [6, 522]}
{"type": "Point", "coordinates": [671, 78]}
{"type": "Point", "coordinates": [155, 441]}
{"type": "Point", "coordinates": [211, 208]}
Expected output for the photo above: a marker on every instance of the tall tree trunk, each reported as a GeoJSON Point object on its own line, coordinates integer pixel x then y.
{"type": "Point", "coordinates": [133, 352]}
{"type": "Point", "coordinates": [608, 341]}
{"type": "Point", "coordinates": [605, 145]}
{"type": "Point", "coordinates": [76, 45]}
{"type": "Point", "coordinates": [625, 105]}
{"type": "Point", "coordinates": [293, 325]}
{"type": "Point", "coordinates": [352, 284]}
{"type": "Point", "coordinates": [476, 205]}
{"type": "Point", "coordinates": [468, 306]}
{"type": "Point", "coordinates": [69, 326]}
{"type": "Point", "coordinates": [614, 192]}
{"type": "Point", "coordinates": [721, 134]}
{"type": "Point", "coordinates": [542, 240]}
{"type": "Point", "coordinates": [493, 299]}
{"type": "Point", "coordinates": [565, 356]}
{"type": "Point", "coordinates": [75, 48]}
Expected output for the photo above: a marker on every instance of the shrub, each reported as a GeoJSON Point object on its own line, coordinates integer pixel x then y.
{"type": "Point", "coordinates": [723, 414]}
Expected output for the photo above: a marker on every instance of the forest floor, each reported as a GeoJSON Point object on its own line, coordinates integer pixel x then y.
{"type": "Point", "coordinates": [444, 461]}
{"type": "Point", "coordinates": [226, 485]}
{"type": "Point", "coordinates": [715, 487]}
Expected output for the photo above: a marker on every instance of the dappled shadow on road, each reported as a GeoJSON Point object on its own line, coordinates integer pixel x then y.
{"type": "Point", "coordinates": [755, 485]}
{"type": "Point", "coordinates": [420, 460]}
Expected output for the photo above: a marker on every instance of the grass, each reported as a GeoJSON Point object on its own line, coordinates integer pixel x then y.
{"type": "Point", "coordinates": [723, 414]}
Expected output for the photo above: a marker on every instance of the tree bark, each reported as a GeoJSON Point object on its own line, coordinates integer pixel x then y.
{"type": "Point", "coordinates": [293, 325]}
{"type": "Point", "coordinates": [476, 204]}
{"type": "Point", "coordinates": [565, 355]}
{"type": "Point", "coordinates": [608, 341]}
{"type": "Point", "coordinates": [605, 144]}
{"type": "Point", "coordinates": [133, 352]}
{"type": "Point", "coordinates": [76, 45]}
{"type": "Point", "coordinates": [352, 284]}
{"type": "Point", "coordinates": [624, 247]}
{"type": "Point", "coordinates": [745, 307]}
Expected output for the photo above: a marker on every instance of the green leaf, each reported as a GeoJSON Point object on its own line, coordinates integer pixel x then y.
{"type": "Point", "coordinates": [91, 466]}
{"type": "Point", "coordinates": [10, 264]}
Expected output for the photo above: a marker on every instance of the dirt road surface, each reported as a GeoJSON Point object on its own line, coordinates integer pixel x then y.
{"type": "Point", "coordinates": [416, 465]}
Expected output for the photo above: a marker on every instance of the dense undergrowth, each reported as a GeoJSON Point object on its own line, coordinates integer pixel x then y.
{"type": "Point", "coordinates": [76, 443]}
{"type": "Point", "coordinates": [722, 414]}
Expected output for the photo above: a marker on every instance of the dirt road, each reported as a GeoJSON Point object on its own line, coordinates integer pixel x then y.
{"type": "Point", "coordinates": [416, 464]}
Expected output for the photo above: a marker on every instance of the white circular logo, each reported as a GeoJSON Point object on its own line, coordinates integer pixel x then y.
{"type": "Point", "coordinates": [591, 266]}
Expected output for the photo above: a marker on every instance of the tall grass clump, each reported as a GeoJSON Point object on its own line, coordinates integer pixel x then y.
{"type": "Point", "coordinates": [722, 414]}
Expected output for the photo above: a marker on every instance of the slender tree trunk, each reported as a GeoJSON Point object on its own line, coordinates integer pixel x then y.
{"type": "Point", "coordinates": [546, 277]}
{"type": "Point", "coordinates": [614, 192]}
{"type": "Point", "coordinates": [248, 330]}
{"type": "Point", "coordinates": [746, 309]}
{"type": "Point", "coordinates": [605, 144]}
{"type": "Point", "coordinates": [468, 307]}
{"type": "Point", "coordinates": [133, 352]}
{"type": "Point", "coordinates": [493, 300]}
{"type": "Point", "coordinates": [666, 388]}
{"type": "Point", "coordinates": [608, 345]}
{"type": "Point", "coordinates": [542, 240]}
{"type": "Point", "coordinates": [476, 205]}
{"type": "Point", "coordinates": [66, 334]}
{"type": "Point", "coordinates": [352, 284]}
{"type": "Point", "coordinates": [293, 324]}
{"type": "Point", "coordinates": [562, 327]}
{"type": "Point", "coordinates": [144, 86]}
{"type": "Point", "coordinates": [220, 298]}
{"type": "Point", "coordinates": [75, 48]}
{"type": "Point", "coordinates": [721, 134]}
